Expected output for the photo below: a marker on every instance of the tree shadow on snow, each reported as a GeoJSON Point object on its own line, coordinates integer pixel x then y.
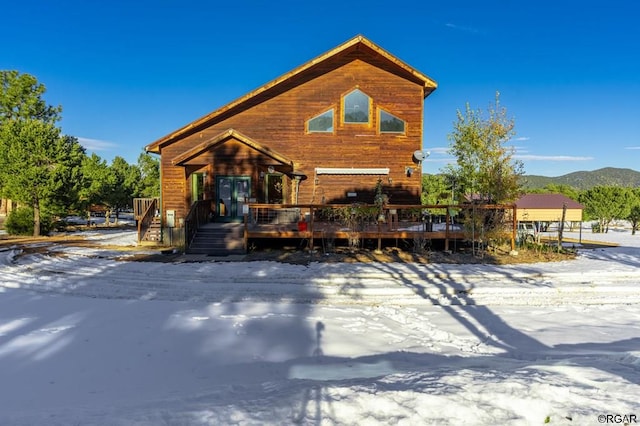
{"type": "Point", "coordinates": [127, 333]}
{"type": "Point", "coordinates": [224, 343]}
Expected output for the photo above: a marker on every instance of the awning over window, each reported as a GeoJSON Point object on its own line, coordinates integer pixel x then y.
{"type": "Point", "coordinates": [351, 171]}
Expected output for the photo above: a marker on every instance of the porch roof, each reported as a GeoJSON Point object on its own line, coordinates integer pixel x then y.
{"type": "Point", "coordinates": [223, 137]}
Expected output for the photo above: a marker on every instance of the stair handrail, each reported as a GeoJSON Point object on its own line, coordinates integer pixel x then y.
{"type": "Point", "coordinates": [140, 206]}
{"type": "Point", "coordinates": [147, 218]}
{"type": "Point", "coordinates": [198, 214]}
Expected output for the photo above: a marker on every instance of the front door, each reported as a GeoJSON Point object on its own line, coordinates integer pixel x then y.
{"type": "Point", "coordinates": [233, 193]}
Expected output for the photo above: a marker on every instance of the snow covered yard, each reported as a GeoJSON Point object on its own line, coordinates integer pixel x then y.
{"type": "Point", "coordinates": [89, 340]}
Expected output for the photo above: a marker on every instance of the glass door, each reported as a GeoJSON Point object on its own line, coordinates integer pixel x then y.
{"type": "Point", "coordinates": [224, 189]}
{"type": "Point", "coordinates": [242, 193]}
{"type": "Point", "coordinates": [233, 192]}
{"type": "Point", "coordinates": [197, 187]}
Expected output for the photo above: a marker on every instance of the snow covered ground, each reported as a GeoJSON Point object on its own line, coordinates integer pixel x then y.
{"type": "Point", "coordinates": [86, 339]}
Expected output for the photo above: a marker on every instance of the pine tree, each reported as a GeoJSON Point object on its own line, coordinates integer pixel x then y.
{"type": "Point", "coordinates": [38, 166]}
{"type": "Point", "coordinates": [21, 98]}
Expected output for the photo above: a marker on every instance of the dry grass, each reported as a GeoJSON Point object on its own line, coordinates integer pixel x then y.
{"type": "Point", "coordinates": [499, 256]}
{"type": "Point", "coordinates": [397, 255]}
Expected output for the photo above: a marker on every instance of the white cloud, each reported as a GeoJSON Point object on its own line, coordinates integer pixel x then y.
{"type": "Point", "coordinates": [531, 157]}
{"type": "Point", "coordinates": [461, 28]}
{"type": "Point", "coordinates": [633, 147]}
{"type": "Point", "coordinates": [440, 155]}
{"type": "Point", "coordinates": [440, 160]}
{"type": "Point", "coordinates": [521, 139]}
{"type": "Point", "coordinates": [438, 150]}
{"type": "Point", "coordinates": [96, 144]}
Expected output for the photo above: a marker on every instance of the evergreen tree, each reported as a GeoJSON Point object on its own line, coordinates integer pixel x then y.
{"type": "Point", "coordinates": [123, 181]}
{"type": "Point", "coordinates": [95, 182]}
{"type": "Point", "coordinates": [606, 203]}
{"type": "Point", "coordinates": [21, 98]}
{"type": "Point", "coordinates": [38, 166]}
{"type": "Point", "coordinates": [149, 184]}
{"type": "Point", "coordinates": [634, 210]}
{"type": "Point", "coordinates": [113, 186]}
{"type": "Point", "coordinates": [554, 188]}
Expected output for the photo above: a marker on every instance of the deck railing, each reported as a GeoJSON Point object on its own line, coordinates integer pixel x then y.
{"type": "Point", "coordinates": [356, 221]}
{"type": "Point", "coordinates": [141, 205]}
{"type": "Point", "coordinates": [145, 218]}
{"type": "Point", "coordinates": [198, 215]}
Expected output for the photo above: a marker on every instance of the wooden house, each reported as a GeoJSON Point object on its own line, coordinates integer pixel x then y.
{"type": "Point", "coordinates": [547, 208]}
{"type": "Point", "coordinates": [325, 132]}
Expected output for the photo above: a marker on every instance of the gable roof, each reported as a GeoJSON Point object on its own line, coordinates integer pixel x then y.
{"type": "Point", "coordinates": [547, 201]}
{"type": "Point", "coordinates": [358, 44]}
{"type": "Point", "coordinates": [223, 137]}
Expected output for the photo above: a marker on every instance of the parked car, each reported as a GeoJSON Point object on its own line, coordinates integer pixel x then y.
{"type": "Point", "coordinates": [527, 232]}
{"type": "Point", "coordinates": [98, 210]}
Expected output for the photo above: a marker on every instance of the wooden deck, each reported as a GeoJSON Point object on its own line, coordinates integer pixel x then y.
{"type": "Point", "coordinates": [400, 222]}
{"type": "Point", "coordinates": [355, 223]}
{"type": "Point", "coordinates": [319, 235]}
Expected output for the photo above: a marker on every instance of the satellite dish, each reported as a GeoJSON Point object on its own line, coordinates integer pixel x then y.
{"type": "Point", "coordinates": [418, 155]}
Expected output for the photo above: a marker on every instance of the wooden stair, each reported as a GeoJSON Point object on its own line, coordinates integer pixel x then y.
{"type": "Point", "coordinates": [154, 232]}
{"type": "Point", "coordinates": [218, 239]}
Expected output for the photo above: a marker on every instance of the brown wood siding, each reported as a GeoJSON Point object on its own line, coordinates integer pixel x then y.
{"type": "Point", "coordinates": [175, 195]}
{"type": "Point", "coordinates": [279, 123]}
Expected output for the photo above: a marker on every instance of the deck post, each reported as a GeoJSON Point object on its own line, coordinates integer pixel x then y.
{"type": "Point", "coordinates": [446, 231]}
{"type": "Point", "coordinates": [311, 229]}
{"type": "Point", "coordinates": [246, 233]}
{"type": "Point", "coordinates": [514, 227]}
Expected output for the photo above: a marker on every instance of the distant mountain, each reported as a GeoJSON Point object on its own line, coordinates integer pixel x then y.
{"type": "Point", "coordinates": [609, 176]}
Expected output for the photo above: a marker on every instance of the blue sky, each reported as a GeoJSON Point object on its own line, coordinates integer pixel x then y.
{"type": "Point", "coordinates": [129, 72]}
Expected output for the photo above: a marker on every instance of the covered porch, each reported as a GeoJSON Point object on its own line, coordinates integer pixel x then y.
{"type": "Point", "coordinates": [231, 170]}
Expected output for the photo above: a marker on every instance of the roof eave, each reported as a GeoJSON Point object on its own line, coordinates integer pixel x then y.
{"type": "Point", "coordinates": [221, 138]}
{"type": "Point", "coordinates": [429, 86]}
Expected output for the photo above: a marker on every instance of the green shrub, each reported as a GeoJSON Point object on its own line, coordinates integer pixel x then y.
{"type": "Point", "coordinates": [20, 222]}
